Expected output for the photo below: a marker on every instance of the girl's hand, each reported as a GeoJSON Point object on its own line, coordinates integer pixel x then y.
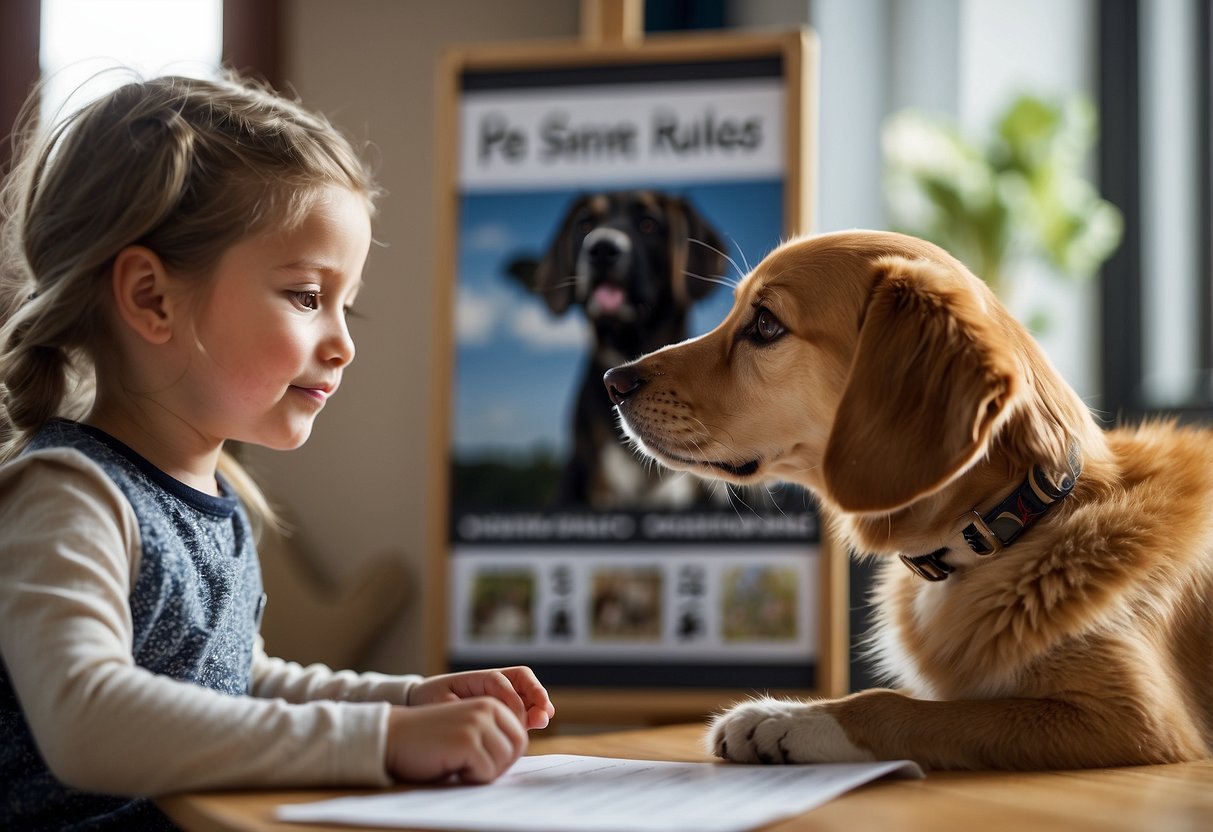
{"type": "Point", "coordinates": [515, 687]}
{"type": "Point", "coordinates": [472, 739]}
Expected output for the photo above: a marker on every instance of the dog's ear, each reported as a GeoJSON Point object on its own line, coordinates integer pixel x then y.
{"type": "Point", "coordinates": [697, 261]}
{"type": "Point", "coordinates": [523, 269]}
{"type": "Point", "coordinates": [553, 277]}
{"type": "Point", "coordinates": [931, 380]}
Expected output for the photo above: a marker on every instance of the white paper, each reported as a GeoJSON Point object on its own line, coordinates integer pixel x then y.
{"type": "Point", "coordinates": [560, 792]}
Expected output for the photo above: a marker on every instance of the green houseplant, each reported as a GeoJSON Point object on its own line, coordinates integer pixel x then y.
{"type": "Point", "coordinates": [1019, 194]}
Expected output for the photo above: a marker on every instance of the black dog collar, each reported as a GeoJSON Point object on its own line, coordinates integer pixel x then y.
{"type": "Point", "coordinates": [989, 534]}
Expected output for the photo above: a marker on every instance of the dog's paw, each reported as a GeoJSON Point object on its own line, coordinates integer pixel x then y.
{"type": "Point", "coordinates": [773, 731]}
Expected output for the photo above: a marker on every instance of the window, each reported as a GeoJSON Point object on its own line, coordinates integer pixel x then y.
{"type": "Point", "coordinates": [85, 44]}
{"type": "Point", "coordinates": [1155, 164]}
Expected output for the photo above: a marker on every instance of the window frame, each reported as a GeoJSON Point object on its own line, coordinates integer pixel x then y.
{"type": "Point", "coordinates": [20, 24]}
{"type": "Point", "coordinates": [1120, 171]}
{"type": "Point", "coordinates": [252, 44]}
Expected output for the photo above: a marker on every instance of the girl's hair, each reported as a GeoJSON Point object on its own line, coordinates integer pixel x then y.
{"type": "Point", "coordinates": [183, 166]}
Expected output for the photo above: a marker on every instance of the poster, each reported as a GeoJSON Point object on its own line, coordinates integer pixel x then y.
{"type": "Point", "coordinates": [602, 210]}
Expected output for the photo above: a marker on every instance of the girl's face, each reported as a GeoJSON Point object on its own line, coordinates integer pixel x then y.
{"type": "Point", "coordinates": [271, 334]}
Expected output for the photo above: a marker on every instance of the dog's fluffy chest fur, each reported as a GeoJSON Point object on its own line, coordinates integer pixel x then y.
{"type": "Point", "coordinates": [1132, 548]}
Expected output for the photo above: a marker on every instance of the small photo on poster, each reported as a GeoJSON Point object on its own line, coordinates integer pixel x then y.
{"type": "Point", "coordinates": [502, 604]}
{"type": "Point", "coordinates": [626, 604]}
{"type": "Point", "coordinates": [759, 603]}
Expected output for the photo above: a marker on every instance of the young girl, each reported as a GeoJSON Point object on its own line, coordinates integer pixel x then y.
{"type": "Point", "coordinates": [178, 261]}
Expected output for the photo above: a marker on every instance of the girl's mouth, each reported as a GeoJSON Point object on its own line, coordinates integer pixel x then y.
{"type": "Point", "coordinates": [319, 394]}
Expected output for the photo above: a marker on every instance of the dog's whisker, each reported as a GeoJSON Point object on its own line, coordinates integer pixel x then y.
{"type": "Point", "coordinates": [718, 280]}
{"type": "Point", "coordinates": [730, 446]}
{"type": "Point", "coordinates": [711, 247]}
{"type": "Point", "coordinates": [707, 434]}
{"type": "Point", "coordinates": [774, 502]}
{"type": "Point", "coordinates": [807, 468]}
{"type": "Point", "coordinates": [735, 497]}
{"type": "Point", "coordinates": [740, 499]}
{"type": "Point", "coordinates": [728, 490]}
{"type": "Point", "coordinates": [740, 253]}
{"type": "Point", "coordinates": [562, 284]}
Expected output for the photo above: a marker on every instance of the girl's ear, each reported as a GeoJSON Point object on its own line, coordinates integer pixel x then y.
{"type": "Point", "coordinates": [141, 293]}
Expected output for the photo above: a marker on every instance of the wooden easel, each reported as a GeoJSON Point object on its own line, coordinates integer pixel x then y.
{"type": "Point", "coordinates": [613, 22]}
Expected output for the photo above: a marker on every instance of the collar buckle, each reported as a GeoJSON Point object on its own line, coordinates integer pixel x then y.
{"type": "Point", "coordinates": [980, 537]}
{"type": "Point", "coordinates": [929, 567]}
{"type": "Point", "coordinates": [1022, 507]}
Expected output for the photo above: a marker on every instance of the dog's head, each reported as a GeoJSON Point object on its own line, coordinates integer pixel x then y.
{"type": "Point", "coordinates": [629, 258]}
{"type": "Point", "coordinates": [870, 367]}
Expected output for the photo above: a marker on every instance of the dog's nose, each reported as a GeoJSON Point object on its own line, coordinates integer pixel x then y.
{"type": "Point", "coordinates": [604, 253]}
{"type": "Point", "coordinates": [621, 383]}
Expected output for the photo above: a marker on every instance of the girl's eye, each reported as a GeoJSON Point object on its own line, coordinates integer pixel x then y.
{"type": "Point", "coordinates": [766, 326]}
{"type": "Point", "coordinates": [308, 300]}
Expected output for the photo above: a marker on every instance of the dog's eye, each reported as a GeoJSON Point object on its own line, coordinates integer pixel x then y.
{"type": "Point", "coordinates": [766, 326]}
{"type": "Point", "coordinates": [647, 225]}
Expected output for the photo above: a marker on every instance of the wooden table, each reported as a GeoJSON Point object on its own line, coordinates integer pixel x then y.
{"type": "Point", "coordinates": [1172, 798]}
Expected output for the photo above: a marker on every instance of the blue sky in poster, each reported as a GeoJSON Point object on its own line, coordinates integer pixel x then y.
{"type": "Point", "coordinates": [517, 366]}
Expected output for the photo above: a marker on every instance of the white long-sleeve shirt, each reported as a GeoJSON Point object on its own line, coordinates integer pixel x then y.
{"type": "Point", "coordinates": [70, 554]}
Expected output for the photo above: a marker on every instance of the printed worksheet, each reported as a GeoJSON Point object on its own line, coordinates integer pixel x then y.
{"type": "Point", "coordinates": [561, 792]}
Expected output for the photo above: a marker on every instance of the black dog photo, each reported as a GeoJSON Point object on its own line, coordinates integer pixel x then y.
{"type": "Point", "coordinates": [633, 263]}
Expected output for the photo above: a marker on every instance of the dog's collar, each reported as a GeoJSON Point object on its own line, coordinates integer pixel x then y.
{"type": "Point", "coordinates": [987, 535]}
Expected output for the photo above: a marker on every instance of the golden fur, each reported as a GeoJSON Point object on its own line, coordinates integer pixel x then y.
{"type": "Point", "coordinates": [898, 390]}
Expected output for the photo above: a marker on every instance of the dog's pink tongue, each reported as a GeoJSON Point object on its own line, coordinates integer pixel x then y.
{"type": "Point", "coordinates": [608, 297]}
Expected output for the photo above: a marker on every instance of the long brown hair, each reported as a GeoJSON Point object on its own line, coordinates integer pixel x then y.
{"type": "Point", "coordinates": [184, 166]}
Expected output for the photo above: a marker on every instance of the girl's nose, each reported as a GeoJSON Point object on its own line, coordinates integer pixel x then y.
{"type": "Point", "coordinates": [339, 346]}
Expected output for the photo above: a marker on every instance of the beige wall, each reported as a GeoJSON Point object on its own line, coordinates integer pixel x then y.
{"type": "Point", "coordinates": [358, 488]}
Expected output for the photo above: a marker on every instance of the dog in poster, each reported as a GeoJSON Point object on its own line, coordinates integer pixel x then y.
{"type": "Point", "coordinates": [633, 263]}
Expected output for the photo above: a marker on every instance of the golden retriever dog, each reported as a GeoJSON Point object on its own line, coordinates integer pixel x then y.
{"type": "Point", "coordinates": [1045, 597]}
